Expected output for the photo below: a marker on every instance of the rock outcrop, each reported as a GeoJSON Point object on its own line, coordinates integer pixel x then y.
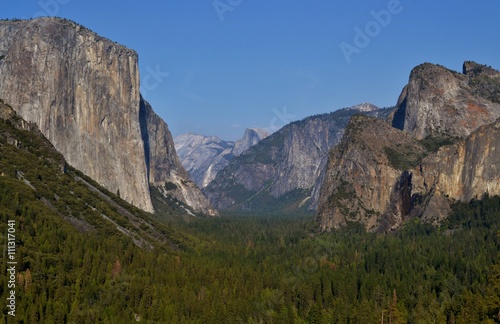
{"type": "Point", "coordinates": [364, 181]}
{"type": "Point", "coordinates": [463, 171]}
{"type": "Point", "coordinates": [380, 176]}
{"type": "Point", "coordinates": [279, 173]}
{"type": "Point", "coordinates": [82, 91]}
{"type": "Point", "coordinates": [204, 156]}
{"type": "Point", "coordinates": [440, 101]}
{"type": "Point", "coordinates": [251, 137]}
{"type": "Point", "coordinates": [165, 170]}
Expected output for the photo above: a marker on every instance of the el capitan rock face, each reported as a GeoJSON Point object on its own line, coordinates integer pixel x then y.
{"type": "Point", "coordinates": [82, 90]}
{"type": "Point", "coordinates": [83, 93]}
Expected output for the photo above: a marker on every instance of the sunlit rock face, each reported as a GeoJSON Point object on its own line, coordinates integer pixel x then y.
{"type": "Point", "coordinates": [82, 90]}
{"type": "Point", "coordinates": [440, 101]}
{"type": "Point", "coordinates": [443, 147]}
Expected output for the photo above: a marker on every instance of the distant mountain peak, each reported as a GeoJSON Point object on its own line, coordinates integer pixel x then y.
{"type": "Point", "coordinates": [261, 131]}
{"type": "Point", "coordinates": [365, 107]}
{"type": "Point", "coordinates": [204, 156]}
{"type": "Point", "coordinates": [251, 137]}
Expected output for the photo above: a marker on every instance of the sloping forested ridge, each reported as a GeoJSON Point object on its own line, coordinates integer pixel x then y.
{"type": "Point", "coordinates": [266, 270]}
{"type": "Point", "coordinates": [75, 266]}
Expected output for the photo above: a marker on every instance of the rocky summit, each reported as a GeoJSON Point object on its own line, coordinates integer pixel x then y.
{"type": "Point", "coordinates": [441, 101]}
{"type": "Point", "coordinates": [251, 137]}
{"type": "Point", "coordinates": [82, 90]}
{"type": "Point", "coordinates": [442, 147]}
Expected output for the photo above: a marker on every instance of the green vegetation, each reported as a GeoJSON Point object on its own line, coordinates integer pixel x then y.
{"type": "Point", "coordinates": [259, 269]}
{"type": "Point", "coordinates": [433, 143]}
{"type": "Point", "coordinates": [238, 192]}
{"type": "Point", "coordinates": [264, 203]}
{"type": "Point", "coordinates": [404, 157]}
{"type": "Point", "coordinates": [170, 186]}
{"type": "Point", "coordinates": [167, 208]}
{"type": "Point", "coordinates": [342, 196]}
{"type": "Point", "coordinates": [486, 87]}
{"type": "Point", "coordinates": [75, 266]}
{"type": "Point", "coordinates": [420, 274]}
{"type": "Point", "coordinates": [407, 157]}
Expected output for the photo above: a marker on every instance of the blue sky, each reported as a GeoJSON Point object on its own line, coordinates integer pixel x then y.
{"type": "Point", "coordinates": [217, 67]}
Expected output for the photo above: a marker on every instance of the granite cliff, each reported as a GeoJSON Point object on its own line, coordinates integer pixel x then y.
{"type": "Point", "coordinates": [204, 156]}
{"type": "Point", "coordinates": [82, 90]}
{"type": "Point", "coordinates": [441, 101]}
{"type": "Point", "coordinates": [381, 176]}
{"type": "Point", "coordinates": [463, 171]}
{"type": "Point", "coordinates": [251, 137]}
{"type": "Point", "coordinates": [280, 172]}
{"type": "Point", "coordinates": [165, 170]}
{"type": "Point", "coordinates": [442, 149]}
{"type": "Point", "coordinates": [360, 178]}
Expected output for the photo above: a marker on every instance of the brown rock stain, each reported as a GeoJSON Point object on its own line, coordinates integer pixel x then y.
{"type": "Point", "coordinates": [476, 109]}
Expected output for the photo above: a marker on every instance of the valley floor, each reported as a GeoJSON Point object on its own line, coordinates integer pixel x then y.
{"type": "Point", "coordinates": [261, 270]}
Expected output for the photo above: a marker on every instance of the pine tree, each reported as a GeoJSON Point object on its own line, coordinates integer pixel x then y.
{"type": "Point", "coordinates": [116, 270]}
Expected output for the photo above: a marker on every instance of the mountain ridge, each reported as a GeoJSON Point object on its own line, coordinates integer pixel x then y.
{"type": "Point", "coordinates": [284, 165]}
{"type": "Point", "coordinates": [32, 166]}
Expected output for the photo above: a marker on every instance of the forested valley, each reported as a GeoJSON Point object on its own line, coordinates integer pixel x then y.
{"type": "Point", "coordinates": [85, 256]}
{"type": "Point", "coordinates": [260, 270]}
